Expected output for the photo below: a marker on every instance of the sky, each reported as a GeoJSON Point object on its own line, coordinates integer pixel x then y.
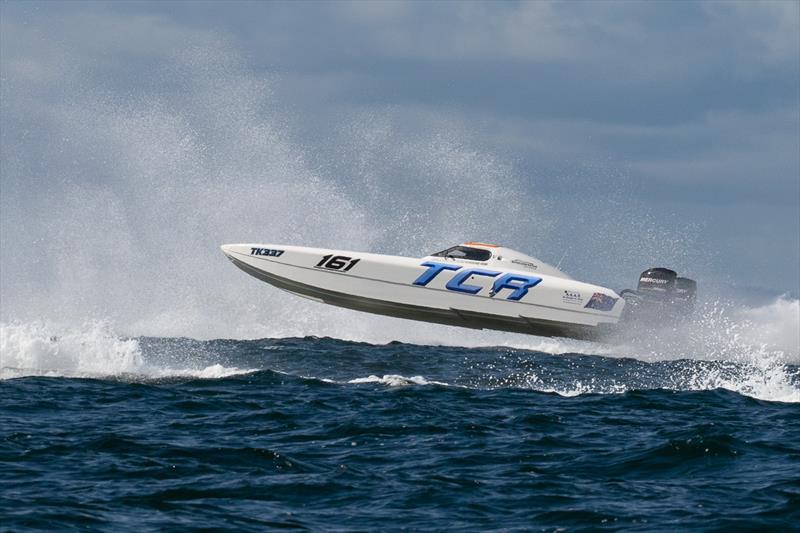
{"type": "Point", "coordinates": [608, 136]}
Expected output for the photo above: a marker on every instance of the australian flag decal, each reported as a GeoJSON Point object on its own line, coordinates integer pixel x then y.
{"type": "Point", "coordinates": [601, 302]}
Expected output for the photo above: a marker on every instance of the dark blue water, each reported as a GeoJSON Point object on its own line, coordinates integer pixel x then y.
{"type": "Point", "coordinates": [331, 435]}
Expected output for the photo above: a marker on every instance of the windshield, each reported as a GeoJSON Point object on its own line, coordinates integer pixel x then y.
{"type": "Point", "coordinates": [465, 252]}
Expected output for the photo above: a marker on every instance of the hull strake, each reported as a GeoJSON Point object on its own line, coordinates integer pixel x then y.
{"type": "Point", "coordinates": [450, 317]}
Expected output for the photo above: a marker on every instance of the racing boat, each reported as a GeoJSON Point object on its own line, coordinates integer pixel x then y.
{"type": "Point", "coordinates": [474, 285]}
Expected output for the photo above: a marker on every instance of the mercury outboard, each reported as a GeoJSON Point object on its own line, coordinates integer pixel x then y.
{"type": "Point", "coordinates": [661, 296]}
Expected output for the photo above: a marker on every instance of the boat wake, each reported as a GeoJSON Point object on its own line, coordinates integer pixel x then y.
{"type": "Point", "coordinates": [748, 352]}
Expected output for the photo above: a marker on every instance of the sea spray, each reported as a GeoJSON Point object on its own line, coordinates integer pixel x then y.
{"type": "Point", "coordinates": [92, 350]}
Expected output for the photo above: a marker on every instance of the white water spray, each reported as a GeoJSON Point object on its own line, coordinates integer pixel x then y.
{"type": "Point", "coordinates": [90, 351]}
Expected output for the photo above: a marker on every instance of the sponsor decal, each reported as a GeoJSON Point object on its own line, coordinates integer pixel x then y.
{"type": "Point", "coordinates": [526, 264]}
{"type": "Point", "coordinates": [658, 281]}
{"type": "Point", "coordinates": [601, 302]}
{"type": "Point", "coordinates": [572, 297]}
{"type": "Point", "coordinates": [266, 251]}
{"type": "Point", "coordinates": [340, 263]}
{"type": "Point", "coordinates": [516, 283]}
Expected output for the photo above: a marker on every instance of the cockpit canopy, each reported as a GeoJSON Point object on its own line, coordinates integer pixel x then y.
{"type": "Point", "coordinates": [498, 256]}
{"type": "Point", "coordinates": [465, 252]}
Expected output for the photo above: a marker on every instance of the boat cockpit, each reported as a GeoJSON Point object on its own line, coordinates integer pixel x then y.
{"type": "Point", "coordinates": [497, 256]}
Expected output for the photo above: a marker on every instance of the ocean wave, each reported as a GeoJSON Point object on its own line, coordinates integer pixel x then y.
{"type": "Point", "coordinates": [95, 351]}
{"type": "Point", "coordinates": [776, 384]}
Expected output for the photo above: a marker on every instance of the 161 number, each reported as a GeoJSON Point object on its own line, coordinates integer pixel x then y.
{"type": "Point", "coordinates": [337, 262]}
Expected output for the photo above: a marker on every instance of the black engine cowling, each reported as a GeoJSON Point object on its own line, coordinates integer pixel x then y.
{"type": "Point", "coordinates": [660, 296]}
{"type": "Point", "coordinates": [685, 292]}
{"type": "Point", "coordinates": [657, 281]}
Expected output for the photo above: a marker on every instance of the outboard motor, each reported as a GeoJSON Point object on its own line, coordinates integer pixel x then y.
{"type": "Point", "coordinates": [657, 281]}
{"type": "Point", "coordinates": [685, 293]}
{"type": "Point", "coordinates": [661, 296]}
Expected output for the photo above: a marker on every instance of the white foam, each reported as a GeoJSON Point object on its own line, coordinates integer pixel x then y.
{"type": "Point", "coordinates": [724, 330]}
{"type": "Point", "coordinates": [395, 380]}
{"type": "Point", "coordinates": [764, 378]}
{"type": "Point", "coordinates": [92, 350]}
{"type": "Point", "coordinates": [769, 382]}
{"type": "Point", "coordinates": [215, 371]}
{"type": "Point", "coordinates": [580, 388]}
{"type": "Point", "coordinates": [39, 349]}
{"type": "Point", "coordinates": [775, 326]}
{"type": "Point", "coordinates": [758, 343]}
{"type": "Point", "coordinates": [532, 381]}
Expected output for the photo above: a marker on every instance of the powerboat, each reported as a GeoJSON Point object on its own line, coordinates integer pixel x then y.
{"type": "Point", "coordinates": [473, 285]}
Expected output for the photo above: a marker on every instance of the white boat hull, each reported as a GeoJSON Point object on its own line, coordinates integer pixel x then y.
{"type": "Point", "coordinates": [435, 289]}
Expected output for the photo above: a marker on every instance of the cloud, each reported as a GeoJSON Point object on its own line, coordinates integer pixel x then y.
{"type": "Point", "coordinates": [469, 31]}
{"type": "Point", "coordinates": [771, 29]}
